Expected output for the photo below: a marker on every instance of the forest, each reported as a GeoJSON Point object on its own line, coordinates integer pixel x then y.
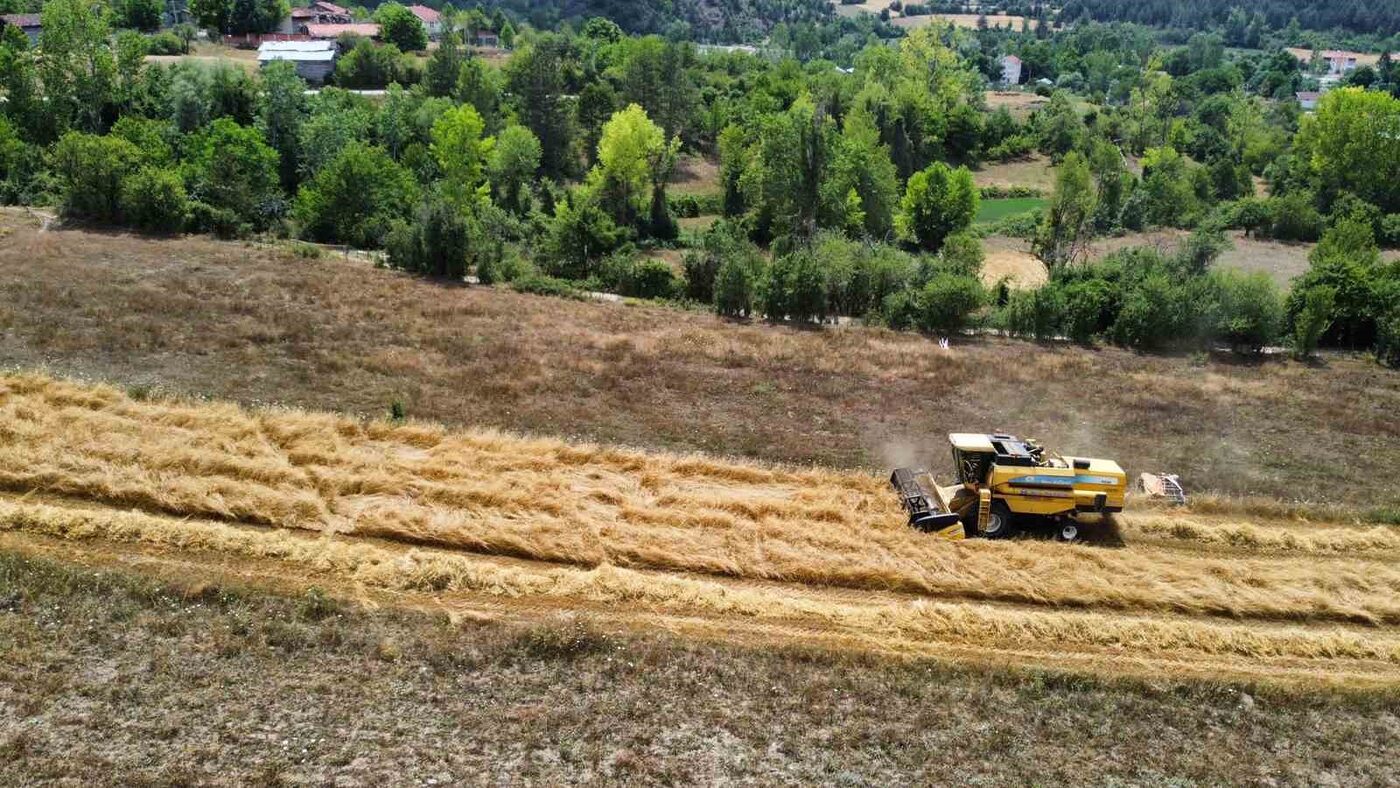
{"type": "Point", "coordinates": [843, 191]}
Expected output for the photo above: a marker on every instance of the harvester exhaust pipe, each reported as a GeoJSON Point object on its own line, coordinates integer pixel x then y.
{"type": "Point", "coordinates": [926, 511]}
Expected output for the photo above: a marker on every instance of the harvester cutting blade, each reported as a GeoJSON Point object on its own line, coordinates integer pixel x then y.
{"type": "Point", "coordinates": [919, 496]}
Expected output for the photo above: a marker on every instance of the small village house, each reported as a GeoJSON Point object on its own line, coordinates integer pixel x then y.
{"type": "Point", "coordinates": [431, 19]}
{"type": "Point", "coordinates": [314, 60]}
{"type": "Point", "coordinates": [1011, 70]}
{"type": "Point", "coordinates": [29, 24]}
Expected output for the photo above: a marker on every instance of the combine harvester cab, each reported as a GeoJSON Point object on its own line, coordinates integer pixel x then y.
{"type": "Point", "coordinates": [1005, 482]}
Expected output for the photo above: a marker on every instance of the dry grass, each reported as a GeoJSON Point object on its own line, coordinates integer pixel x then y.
{"type": "Point", "coordinates": [968, 21]}
{"type": "Point", "coordinates": [1007, 258]}
{"type": "Point", "coordinates": [695, 175]}
{"type": "Point", "coordinates": [1280, 260]}
{"type": "Point", "coordinates": [594, 506]}
{"type": "Point", "coordinates": [252, 325]}
{"type": "Point", "coordinates": [1019, 103]}
{"type": "Point", "coordinates": [1035, 172]}
{"type": "Point", "coordinates": [195, 679]}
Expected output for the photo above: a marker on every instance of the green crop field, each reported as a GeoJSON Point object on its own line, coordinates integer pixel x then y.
{"type": "Point", "coordinates": [989, 211]}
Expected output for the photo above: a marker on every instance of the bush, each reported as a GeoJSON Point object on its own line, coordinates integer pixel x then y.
{"type": "Point", "coordinates": [1248, 309]}
{"type": "Point", "coordinates": [1156, 311]}
{"type": "Point", "coordinates": [165, 43]}
{"type": "Point", "coordinates": [622, 273]}
{"type": "Point", "coordinates": [734, 288]}
{"type": "Point", "coordinates": [1390, 230]}
{"type": "Point", "coordinates": [1312, 319]}
{"type": "Point", "coordinates": [1034, 313]}
{"type": "Point", "coordinates": [154, 200]}
{"type": "Point", "coordinates": [435, 243]}
{"type": "Point", "coordinates": [947, 301]}
{"type": "Point", "coordinates": [90, 170]}
{"type": "Point", "coordinates": [503, 269]}
{"type": "Point", "coordinates": [1295, 218]}
{"type": "Point", "coordinates": [206, 218]}
{"type": "Point", "coordinates": [540, 284]}
{"type": "Point", "coordinates": [796, 288]}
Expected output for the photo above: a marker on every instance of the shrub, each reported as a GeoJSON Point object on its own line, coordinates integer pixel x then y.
{"type": "Point", "coordinates": [540, 284]}
{"type": "Point", "coordinates": [1248, 309]}
{"type": "Point", "coordinates": [90, 170]}
{"type": "Point", "coordinates": [1295, 218]}
{"type": "Point", "coordinates": [503, 269]}
{"type": "Point", "coordinates": [154, 200]}
{"type": "Point", "coordinates": [1312, 319]}
{"type": "Point", "coordinates": [734, 288]}
{"type": "Point", "coordinates": [724, 240]}
{"type": "Point", "coordinates": [1034, 313]}
{"type": "Point", "coordinates": [165, 43]}
{"type": "Point", "coordinates": [1156, 311]}
{"type": "Point", "coordinates": [1390, 230]}
{"type": "Point", "coordinates": [435, 243]}
{"type": "Point", "coordinates": [1087, 305]}
{"type": "Point", "coordinates": [796, 288]}
{"type": "Point", "coordinates": [947, 301]}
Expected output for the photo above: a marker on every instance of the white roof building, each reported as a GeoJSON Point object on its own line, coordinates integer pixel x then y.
{"type": "Point", "coordinates": [315, 60]}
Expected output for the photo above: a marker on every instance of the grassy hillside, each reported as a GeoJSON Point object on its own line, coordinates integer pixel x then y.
{"type": "Point", "coordinates": [251, 325]}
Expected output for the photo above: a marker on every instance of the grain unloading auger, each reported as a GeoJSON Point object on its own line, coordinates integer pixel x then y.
{"type": "Point", "coordinates": [1005, 483]}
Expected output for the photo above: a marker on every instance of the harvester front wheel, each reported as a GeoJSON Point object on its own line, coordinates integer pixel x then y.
{"type": "Point", "coordinates": [999, 524]}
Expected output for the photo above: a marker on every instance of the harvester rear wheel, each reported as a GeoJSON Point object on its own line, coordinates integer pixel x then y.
{"type": "Point", "coordinates": [999, 524]}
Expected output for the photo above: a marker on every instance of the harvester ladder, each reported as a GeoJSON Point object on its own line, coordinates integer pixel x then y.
{"type": "Point", "coordinates": [984, 508]}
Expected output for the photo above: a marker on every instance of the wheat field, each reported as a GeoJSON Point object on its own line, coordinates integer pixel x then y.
{"type": "Point", "coordinates": [415, 506]}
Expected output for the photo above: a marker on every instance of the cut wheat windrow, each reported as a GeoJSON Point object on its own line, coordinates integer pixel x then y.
{"type": "Point", "coordinates": [1333, 592]}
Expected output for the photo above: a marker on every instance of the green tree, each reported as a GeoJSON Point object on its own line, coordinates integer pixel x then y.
{"type": "Point", "coordinates": [356, 198]}
{"type": "Point", "coordinates": [281, 114]}
{"type": "Point", "coordinates": [579, 233]}
{"type": "Point", "coordinates": [154, 200]}
{"type": "Point", "coordinates": [89, 170]}
{"type": "Point", "coordinates": [436, 242]}
{"type": "Point", "coordinates": [790, 163]}
{"type": "Point", "coordinates": [862, 165]}
{"type": "Point", "coordinates": [947, 302]}
{"type": "Point", "coordinates": [1067, 226]}
{"type": "Point", "coordinates": [1312, 320]}
{"type": "Point", "coordinates": [143, 15]}
{"type": "Point", "coordinates": [634, 160]}
{"type": "Point", "coordinates": [796, 288]}
{"type": "Point", "coordinates": [1248, 311]}
{"type": "Point", "coordinates": [445, 67]}
{"type": "Point", "coordinates": [78, 68]}
{"type": "Point", "coordinates": [229, 167]}
{"type": "Point", "coordinates": [1346, 262]}
{"type": "Point", "coordinates": [734, 287]}
{"type": "Point", "coordinates": [535, 75]}
{"type": "Point", "coordinates": [368, 66]}
{"type": "Point", "coordinates": [512, 165]}
{"type": "Point", "coordinates": [938, 201]}
{"type": "Point", "coordinates": [461, 152]}
{"type": "Point", "coordinates": [400, 27]}
{"type": "Point", "coordinates": [1352, 144]}
{"type": "Point", "coordinates": [656, 75]}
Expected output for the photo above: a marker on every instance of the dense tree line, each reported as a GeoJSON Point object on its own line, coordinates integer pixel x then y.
{"type": "Point", "coordinates": [1357, 15]}
{"type": "Point", "coordinates": [842, 191]}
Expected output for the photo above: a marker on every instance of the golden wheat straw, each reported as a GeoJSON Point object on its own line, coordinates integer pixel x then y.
{"type": "Point", "coordinates": [590, 505]}
{"type": "Point", "coordinates": [434, 570]}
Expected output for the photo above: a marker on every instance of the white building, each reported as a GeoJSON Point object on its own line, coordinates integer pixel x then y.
{"type": "Point", "coordinates": [431, 19]}
{"type": "Point", "coordinates": [1011, 70]}
{"type": "Point", "coordinates": [315, 60]}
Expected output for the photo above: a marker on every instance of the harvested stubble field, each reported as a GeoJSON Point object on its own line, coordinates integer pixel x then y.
{"type": "Point", "coordinates": [254, 325]}
{"type": "Point", "coordinates": [722, 549]}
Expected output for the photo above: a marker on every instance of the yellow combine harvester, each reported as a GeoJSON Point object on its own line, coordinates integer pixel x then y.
{"type": "Point", "coordinates": [1005, 482]}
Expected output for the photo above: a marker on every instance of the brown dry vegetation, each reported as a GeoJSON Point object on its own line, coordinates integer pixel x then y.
{"type": "Point", "coordinates": [253, 325]}
{"type": "Point", "coordinates": [1035, 172]}
{"type": "Point", "coordinates": [114, 678]}
{"type": "Point", "coordinates": [593, 512]}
